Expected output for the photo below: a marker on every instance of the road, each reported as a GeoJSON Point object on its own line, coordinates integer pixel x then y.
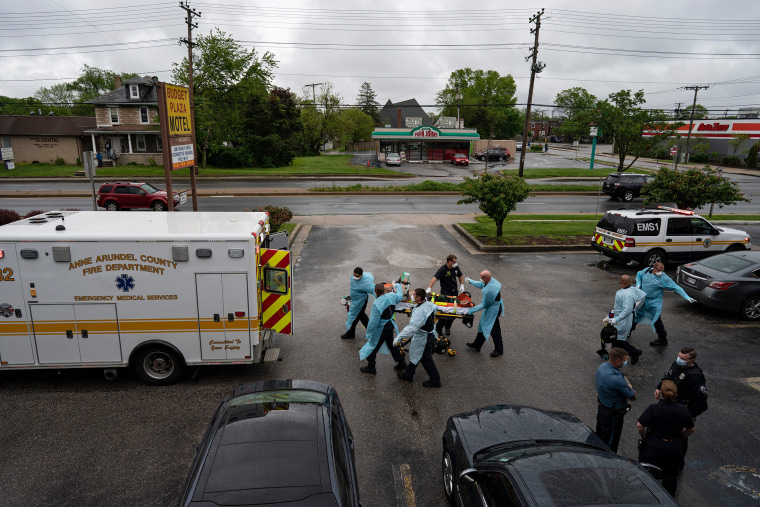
{"type": "Point", "coordinates": [72, 438]}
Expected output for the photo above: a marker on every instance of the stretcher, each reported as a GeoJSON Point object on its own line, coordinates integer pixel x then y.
{"type": "Point", "coordinates": [445, 310]}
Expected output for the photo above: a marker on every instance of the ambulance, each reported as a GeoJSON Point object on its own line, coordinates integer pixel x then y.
{"type": "Point", "coordinates": [157, 292]}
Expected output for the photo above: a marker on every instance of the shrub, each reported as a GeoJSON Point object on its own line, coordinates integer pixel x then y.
{"type": "Point", "coordinates": [731, 161]}
{"type": "Point", "coordinates": [7, 216]}
{"type": "Point", "coordinates": [33, 213]}
{"type": "Point", "coordinates": [79, 162]}
{"type": "Point", "coordinates": [714, 156]}
{"type": "Point", "coordinates": [699, 158]}
{"type": "Point", "coordinates": [152, 162]}
{"type": "Point", "coordinates": [752, 156]}
{"type": "Point", "coordinates": [277, 216]}
{"type": "Point", "coordinates": [59, 161]}
{"type": "Point", "coordinates": [536, 147]}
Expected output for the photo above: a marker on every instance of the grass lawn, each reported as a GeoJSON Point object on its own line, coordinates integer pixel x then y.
{"type": "Point", "coordinates": [442, 186]}
{"type": "Point", "coordinates": [288, 227]}
{"type": "Point", "coordinates": [310, 166]}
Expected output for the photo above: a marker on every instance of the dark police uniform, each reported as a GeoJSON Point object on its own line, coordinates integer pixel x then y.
{"type": "Point", "coordinates": [613, 393]}
{"type": "Point", "coordinates": [663, 447]}
{"type": "Point", "coordinates": [692, 392]}
{"type": "Point", "coordinates": [449, 279]}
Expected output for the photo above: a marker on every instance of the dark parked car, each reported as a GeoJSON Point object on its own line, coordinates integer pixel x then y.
{"type": "Point", "coordinates": [625, 186]}
{"type": "Point", "coordinates": [495, 153]}
{"type": "Point", "coordinates": [729, 281]}
{"type": "Point", "coordinates": [117, 195]}
{"type": "Point", "coordinates": [510, 455]}
{"type": "Point", "coordinates": [283, 442]}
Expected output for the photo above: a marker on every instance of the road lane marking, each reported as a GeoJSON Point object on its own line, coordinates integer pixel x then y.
{"type": "Point", "coordinates": [402, 479]}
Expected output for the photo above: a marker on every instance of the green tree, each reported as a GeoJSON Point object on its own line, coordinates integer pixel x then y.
{"type": "Point", "coordinates": [486, 104]}
{"type": "Point", "coordinates": [622, 118]}
{"type": "Point", "coordinates": [226, 77]}
{"type": "Point", "coordinates": [60, 99]}
{"type": "Point", "coordinates": [752, 155]}
{"type": "Point", "coordinates": [271, 130]}
{"type": "Point", "coordinates": [700, 112]}
{"type": "Point", "coordinates": [737, 141]}
{"type": "Point", "coordinates": [355, 126]}
{"type": "Point", "coordinates": [366, 101]}
{"type": "Point", "coordinates": [94, 82]}
{"type": "Point", "coordinates": [691, 189]}
{"type": "Point", "coordinates": [12, 105]}
{"type": "Point", "coordinates": [321, 121]}
{"type": "Point", "coordinates": [497, 195]}
{"type": "Point", "coordinates": [577, 106]}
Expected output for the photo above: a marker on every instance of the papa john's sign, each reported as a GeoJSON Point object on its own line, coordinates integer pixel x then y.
{"type": "Point", "coordinates": [426, 132]}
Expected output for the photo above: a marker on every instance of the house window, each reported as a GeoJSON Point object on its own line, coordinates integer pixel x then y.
{"type": "Point", "coordinates": [114, 111]}
{"type": "Point", "coordinates": [134, 92]}
{"type": "Point", "coordinates": [5, 142]}
{"type": "Point", "coordinates": [532, 125]}
{"type": "Point", "coordinates": [140, 142]}
{"type": "Point", "coordinates": [159, 146]}
{"type": "Point", "coordinates": [144, 118]}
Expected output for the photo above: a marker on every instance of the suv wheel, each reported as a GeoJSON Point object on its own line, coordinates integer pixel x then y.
{"type": "Point", "coordinates": [501, 158]}
{"type": "Point", "coordinates": [628, 195]}
{"type": "Point", "coordinates": [653, 257]}
{"type": "Point", "coordinates": [158, 206]}
{"type": "Point", "coordinates": [112, 206]}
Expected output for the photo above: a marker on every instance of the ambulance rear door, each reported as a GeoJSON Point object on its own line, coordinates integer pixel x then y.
{"type": "Point", "coordinates": [15, 340]}
{"type": "Point", "coordinates": [276, 302]}
{"type": "Point", "coordinates": [223, 317]}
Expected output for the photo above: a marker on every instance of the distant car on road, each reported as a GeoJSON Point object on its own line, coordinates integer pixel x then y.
{"type": "Point", "coordinates": [729, 281]}
{"type": "Point", "coordinates": [506, 455]}
{"type": "Point", "coordinates": [519, 146]}
{"type": "Point", "coordinates": [393, 159]}
{"type": "Point", "coordinates": [117, 195]}
{"type": "Point", "coordinates": [460, 159]}
{"type": "Point", "coordinates": [283, 442]}
{"type": "Point", "coordinates": [625, 186]}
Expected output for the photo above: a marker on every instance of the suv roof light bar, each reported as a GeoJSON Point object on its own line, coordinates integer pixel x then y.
{"type": "Point", "coordinates": [676, 210]}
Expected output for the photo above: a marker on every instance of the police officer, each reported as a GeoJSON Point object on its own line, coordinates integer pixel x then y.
{"type": "Point", "coordinates": [613, 392]}
{"type": "Point", "coordinates": [420, 329]}
{"type": "Point", "coordinates": [663, 428]}
{"type": "Point", "coordinates": [448, 274]}
{"type": "Point", "coordinates": [690, 382]}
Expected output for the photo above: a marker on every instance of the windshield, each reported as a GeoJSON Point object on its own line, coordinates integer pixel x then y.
{"type": "Point", "coordinates": [532, 449]}
{"type": "Point", "coordinates": [280, 397]}
{"type": "Point", "coordinates": [726, 263]}
{"type": "Point", "coordinates": [149, 189]}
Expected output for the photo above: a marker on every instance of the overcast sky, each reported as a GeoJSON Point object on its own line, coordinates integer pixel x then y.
{"type": "Point", "coordinates": [408, 49]}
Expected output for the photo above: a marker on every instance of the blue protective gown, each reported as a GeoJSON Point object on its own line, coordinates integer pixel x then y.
{"type": "Point", "coordinates": [625, 303]}
{"type": "Point", "coordinates": [361, 289]}
{"type": "Point", "coordinates": [420, 315]}
{"type": "Point", "coordinates": [377, 323]}
{"type": "Point", "coordinates": [493, 309]}
{"type": "Point", "coordinates": [655, 286]}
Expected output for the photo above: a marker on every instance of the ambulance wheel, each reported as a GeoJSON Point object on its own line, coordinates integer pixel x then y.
{"type": "Point", "coordinates": [158, 206]}
{"type": "Point", "coordinates": [653, 257]}
{"type": "Point", "coordinates": [158, 366]}
{"type": "Point", "coordinates": [735, 248]}
{"type": "Point", "coordinates": [112, 206]}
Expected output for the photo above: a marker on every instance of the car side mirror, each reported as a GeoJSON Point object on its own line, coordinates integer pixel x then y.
{"type": "Point", "coordinates": [654, 471]}
{"type": "Point", "coordinates": [468, 477]}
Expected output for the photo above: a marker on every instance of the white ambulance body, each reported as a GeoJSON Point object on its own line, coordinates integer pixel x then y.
{"type": "Point", "coordinates": [157, 291]}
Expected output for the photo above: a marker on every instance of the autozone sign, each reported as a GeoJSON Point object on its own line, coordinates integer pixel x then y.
{"type": "Point", "coordinates": [712, 127]}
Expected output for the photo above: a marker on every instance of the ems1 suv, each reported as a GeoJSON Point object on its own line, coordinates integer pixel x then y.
{"type": "Point", "coordinates": [663, 234]}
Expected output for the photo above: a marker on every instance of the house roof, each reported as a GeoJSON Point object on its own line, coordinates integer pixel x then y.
{"type": "Point", "coordinates": [17, 125]}
{"type": "Point", "coordinates": [409, 109]}
{"type": "Point", "coordinates": [147, 90]}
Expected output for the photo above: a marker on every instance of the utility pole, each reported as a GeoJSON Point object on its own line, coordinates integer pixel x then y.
{"type": "Point", "coordinates": [190, 45]}
{"type": "Point", "coordinates": [696, 88]}
{"type": "Point", "coordinates": [313, 93]}
{"type": "Point", "coordinates": [534, 68]}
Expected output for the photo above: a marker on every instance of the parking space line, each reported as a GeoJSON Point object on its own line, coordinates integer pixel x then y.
{"type": "Point", "coordinates": [402, 480]}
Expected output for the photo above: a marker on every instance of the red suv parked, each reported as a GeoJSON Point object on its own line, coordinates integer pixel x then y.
{"type": "Point", "coordinates": [131, 194]}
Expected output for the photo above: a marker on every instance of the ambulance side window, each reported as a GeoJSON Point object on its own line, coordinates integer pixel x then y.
{"type": "Point", "coordinates": [679, 227]}
{"type": "Point", "coordinates": [276, 280]}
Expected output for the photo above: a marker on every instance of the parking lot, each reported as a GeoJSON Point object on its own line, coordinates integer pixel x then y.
{"type": "Point", "coordinates": [73, 438]}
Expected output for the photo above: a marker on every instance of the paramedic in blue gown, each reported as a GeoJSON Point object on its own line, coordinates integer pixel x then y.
{"type": "Point", "coordinates": [493, 308]}
{"type": "Point", "coordinates": [362, 286]}
{"type": "Point", "coordinates": [381, 327]}
{"type": "Point", "coordinates": [420, 329]}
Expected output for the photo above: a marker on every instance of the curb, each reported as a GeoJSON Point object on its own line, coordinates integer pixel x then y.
{"type": "Point", "coordinates": [519, 248]}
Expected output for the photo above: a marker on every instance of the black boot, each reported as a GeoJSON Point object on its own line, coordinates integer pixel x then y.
{"type": "Point", "coordinates": [400, 365]}
{"type": "Point", "coordinates": [370, 368]}
{"type": "Point", "coordinates": [661, 341]}
{"type": "Point", "coordinates": [348, 335]}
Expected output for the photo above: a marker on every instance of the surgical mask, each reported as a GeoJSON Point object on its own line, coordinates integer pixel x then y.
{"type": "Point", "coordinates": [681, 362]}
{"type": "Point", "coordinates": [624, 364]}
{"type": "Point", "coordinates": [658, 273]}
{"type": "Point", "coordinates": [454, 265]}
{"type": "Point", "coordinates": [357, 278]}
